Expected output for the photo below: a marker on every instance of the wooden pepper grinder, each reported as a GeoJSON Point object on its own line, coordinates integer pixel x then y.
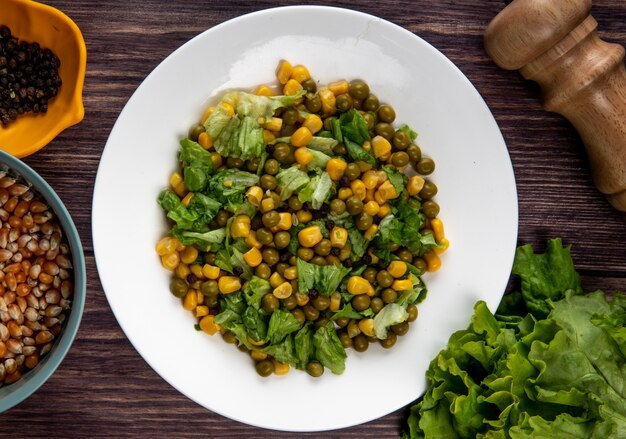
{"type": "Point", "coordinates": [554, 43]}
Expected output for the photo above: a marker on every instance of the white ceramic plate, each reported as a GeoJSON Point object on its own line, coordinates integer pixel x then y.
{"type": "Point", "coordinates": [476, 191]}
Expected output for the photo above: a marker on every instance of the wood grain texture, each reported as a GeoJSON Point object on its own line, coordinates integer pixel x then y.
{"type": "Point", "coordinates": [104, 388]}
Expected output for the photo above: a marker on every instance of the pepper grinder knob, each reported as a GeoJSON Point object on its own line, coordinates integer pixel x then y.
{"type": "Point", "coordinates": [554, 43]}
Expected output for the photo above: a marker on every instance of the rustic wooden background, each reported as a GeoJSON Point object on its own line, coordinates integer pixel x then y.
{"type": "Point", "coordinates": [104, 388]}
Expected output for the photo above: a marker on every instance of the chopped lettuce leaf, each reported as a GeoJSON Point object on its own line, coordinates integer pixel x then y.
{"type": "Point", "coordinates": [229, 187]}
{"type": "Point", "coordinates": [329, 350]}
{"type": "Point", "coordinates": [317, 191]}
{"type": "Point", "coordinates": [348, 312]}
{"type": "Point", "coordinates": [359, 154]}
{"type": "Point", "coordinates": [197, 164]}
{"type": "Point", "coordinates": [255, 324]}
{"type": "Point", "coordinates": [354, 126]}
{"type": "Point", "coordinates": [254, 291]}
{"type": "Point", "coordinates": [205, 241]}
{"type": "Point", "coordinates": [322, 144]}
{"type": "Point", "coordinates": [290, 180]}
{"type": "Point", "coordinates": [320, 160]}
{"type": "Point", "coordinates": [408, 131]}
{"type": "Point", "coordinates": [282, 323]}
{"type": "Point", "coordinates": [390, 315]}
{"type": "Point", "coordinates": [304, 348]}
{"type": "Point", "coordinates": [357, 242]}
{"type": "Point", "coordinates": [324, 278]}
{"type": "Point", "coordinates": [284, 351]}
{"type": "Point", "coordinates": [397, 179]}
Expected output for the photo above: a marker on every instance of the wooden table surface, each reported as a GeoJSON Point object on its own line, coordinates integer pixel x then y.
{"type": "Point", "coordinates": [104, 388]}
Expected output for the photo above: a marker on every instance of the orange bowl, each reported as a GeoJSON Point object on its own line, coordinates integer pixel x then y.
{"type": "Point", "coordinates": [31, 21]}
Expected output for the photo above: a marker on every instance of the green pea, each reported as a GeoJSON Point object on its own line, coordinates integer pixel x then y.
{"type": "Point", "coordinates": [271, 219]}
{"type": "Point", "coordinates": [271, 167]}
{"type": "Point", "coordinates": [345, 339]}
{"type": "Point", "coordinates": [265, 368]}
{"type": "Point", "coordinates": [264, 236]}
{"type": "Point", "coordinates": [290, 116]}
{"type": "Point", "coordinates": [305, 253]}
{"type": "Point", "coordinates": [318, 260]}
{"type": "Point", "coordinates": [281, 152]}
{"type": "Point", "coordinates": [270, 256]}
{"type": "Point", "coordinates": [386, 113]}
{"type": "Point", "coordinates": [178, 287]}
{"type": "Point", "coordinates": [253, 165]}
{"type": "Point", "coordinates": [299, 315]}
{"type": "Point", "coordinates": [222, 218]}
{"type": "Point", "coordinates": [294, 203]}
{"type": "Point", "coordinates": [344, 102]}
{"type": "Point", "coordinates": [290, 302]}
{"type": "Point", "coordinates": [313, 104]}
{"type": "Point", "coordinates": [315, 369]}
{"type": "Point", "coordinates": [364, 221]}
{"type": "Point", "coordinates": [323, 247]}
{"type": "Point", "coordinates": [358, 89]}
{"type": "Point", "coordinates": [360, 343]}
{"type": "Point", "coordinates": [390, 341]}
{"type": "Point", "coordinates": [321, 302]}
{"type": "Point", "coordinates": [209, 258]}
{"type": "Point", "coordinates": [195, 131]}
{"type": "Point", "coordinates": [412, 311]}
{"type": "Point", "coordinates": [354, 205]}
{"type": "Point", "coordinates": [309, 85]}
{"type": "Point", "coordinates": [371, 103]}
{"type": "Point", "coordinates": [311, 312]}
{"type": "Point", "coordinates": [337, 207]}
{"type": "Point", "coordinates": [370, 119]}
{"type": "Point", "coordinates": [405, 255]}
{"type": "Point", "coordinates": [430, 209]}
{"type": "Point", "coordinates": [352, 171]}
{"type": "Point", "coordinates": [209, 288]}
{"type": "Point", "coordinates": [384, 129]}
{"type": "Point", "coordinates": [268, 182]}
{"type": "Point", "coordinates": [401, 140]}
{"type": "Point", "coordinates": [415, 153]}
{"type": "Point", "coordinates": [399, 159]}
{"type": "Point", "coordinates": [400, 328]}
{"type": "Point", "coordinates": [428, 191]}
{"type": "Point", "coordinates": [282, 239]}
{"type": "Point", "coordinates": [263, 271]}
{"type": "Point", "coordinates": [342, 322]}
{"type": "Point", "coordinates": [361, 302]}
{"type": "Point", "coordinates": [234, 162]}
{"type": "Point", "coordinates": [340, 149]}
{"type": "Point", "coordinates": [425, 166]}
{"type": "Point", "coordinates": [270, 303]}
{"type": "Point", "coordinates": [384, 279]}
{"type": "Point", "coordinates": [370, 274]}
{"type": "Point", "coordinates": [389, 295]}
{"type": "Point", "coordinates": [229, 337]}
{"type": "Point", "coordinates": [377, 304]}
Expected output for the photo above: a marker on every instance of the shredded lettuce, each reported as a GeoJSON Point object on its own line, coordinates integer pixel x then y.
{"type": "Point", "coordinates": [390, 315]}
{"type": "Point", "coordinates": [317, 191]}
{"type": "Point", "coordinates": [290, 180]}
{"type": "Point", "coordinates": [324, 278]}
{"type": "Point", "coordinates": [329, 350]}
{"type": "Point", "coordinates": [354, 126]}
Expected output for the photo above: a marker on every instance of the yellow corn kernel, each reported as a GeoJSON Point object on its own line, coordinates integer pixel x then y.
{"type": "Point", "coordinates": [371, 232]}
{"type": "Point", "coordinates": [190, 301]}
{"type": "Point", "coordinates": [283, 290]}
{"type": "Point", "coordinates": [186, 199]}
{"type": "Point", "coordinates": [205, 141]}
{"type": "Point", "coordinates": [211, 271]}
{"type": "Point", "coordinates": [371, 208]}
{"type": "Point", "coordinates": [196, 270]}
{"type": "Point", "coordinates": [302, 299]}
{"type": "Point", "coordinates": [370, 179]}
{"type": "Point", "coordinates": [291, 87]}
{"type": "Point", "coordinates": [175, 179]}
{"type": "Point", "coordinates": [280, 368]}
{"type": "Point", "coordinates": [367, 145]}
{"type": "Point", "coordinates": [268, 136]}
{"type": "Point", "coordinates": [388, 191]}
{"type": "Point", "coordinates": [310, 236]}
{"type": "Point", "coordinates": [216, 159]}
{"type": "Point", "coordinates": [180, 189]}
{"type": "Point", "coordinates": [445, 244]}
{"type": "Point", "coordinates": [336, 168]}
{"type": "Point", "coordinates": [402, 284]}
{"type": "Point", "coordinates": [367, 327]}
{"type": "Point", "coordinates": [255, 195]}
{"type": "Point", "coordinates": [276, 279]}
{"type": "Point", "coordinates": [344, 193]}
{"type": "Point", "coordinates": [433, 263]}
{"type": "Point", "coordinates": [258, 355]}
{"type": "Point", "coordinates": [303, 156]}
{"type": "Point", "coordinates": [267, 204]}
{"type": "Point", "coordinates": [304, 216]}
{"type": "Point", "coordinates": [378, 197]}
{"type": "Point", "coordinates": [166, 245]}
{"type": "Point", "coordinates": [240, 229]}
{"type": "Point", "coordinates": [274, 124]}
{"type": "Point", "coordinates": [253, 257]}
{"type": "Point", "coordinates": [207, 113]}
{"type": "Point", "coordinates": [230, 110]}
{"type": "Point", "coordinates": [228, 284]}
{"type": "Point", "coordinates": [358, 189]}
{"type": "Point", "coordinates": [415, 185]}
{"type": "Point", "coordinates": [339, 87]}
{"type": "Point", "coordinates": [170, 261]}
{"type": "Point", "coordinates": [313, 122]}
{"type": "Point", "coordinates": [382, 148]}
{"type": "Point", "coordinates": [329, 102]}
{"type": "Point", "coordinates": [182, 271]}
{"type": "Point", "coordinates": [208, 325]}
{"type": "Point", "coordinates": [291, 273]}
{"type": "Point", "coordinates": [384, 210]}
{"type": "Point", "coordinates": [285, 221]}
{"type": "Point", "coordinates": [369, 195]}
{"type": "Point", "coordinates": [358, 285]}
{"type": "Point", "coordinates": [437, 225]}
{"type": "Point", "coordinates": [375, 258]}
{"type": "Point", "coordinates": [363, 166]}
{"type": "Point", "coordinates": [196, 285]}
{"type": "Point", "coordinates": [202, 311]}
{"type": "Point", "coordinates": [264, 90]}
{"type": "Point", "coordinates": [300, 73]}
{"type": "Point", "coordinates": [283, 73]}
{"type": "Point", "coordinates": [301, 137]}
{"type": "Point", "coordinates": [252, 241]}
{"type": "Point", "coordinates": [338, 237]}
{"type": "Point", "coordinates": [397, 268]}
{"type": "Point", "coordinates": [335, 301]}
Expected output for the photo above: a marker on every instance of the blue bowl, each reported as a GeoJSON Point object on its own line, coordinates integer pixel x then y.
{"type": "Point", "coordinates": [13, 394]}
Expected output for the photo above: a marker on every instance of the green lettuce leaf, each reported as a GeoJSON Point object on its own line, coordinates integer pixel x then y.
{"type": "Point", "coordinates": [390, 315]}
{"type": "Point", "coordinates": [290, 180]}
{"type": "Point", "coordinates": [357, 153]}
{"type": "Point", "coordinates": [254, 291]}
{"type": "Point", "coordinates": [354, 127]}
{"type": "Point", "coordinates": [197, 164]}
{"type": "Point", "coordinates": [329, 350]}
{"type": "Point", "coordinates": [282, 323]}
{"type": "Point", "coordinates": [304, 348]}
{"type": "Point", "coordinates": [324, 278]}
{"type": "Point", "coordinates": [317, 191]}
{"type": "Point", "coordinates": [284, 351]}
